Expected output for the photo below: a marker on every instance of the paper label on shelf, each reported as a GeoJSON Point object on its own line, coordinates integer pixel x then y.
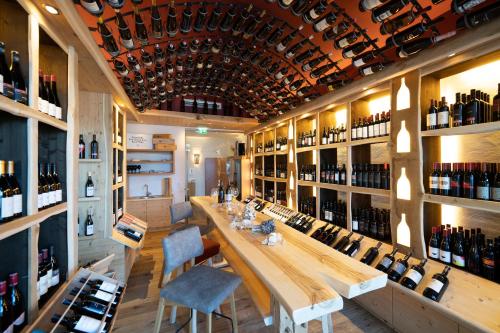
{"type": "Point", "coordinates": [40, 200]}
{"type": "Point", "coordinates": [54, 281]}
{"type": "Point", "coordinates": [45, 199]}
{"type": "Point", "coordinates": [52, 109]}
{"type": "Point", "coordinates": [104, 296]}
{"type": "Point", "coordinates": [483, 192]}
{"type": "Point", "coordinates": [108, 286]}
{"type": "Point", "coordinates": [445, 256]}
{"type": "Point", "coordinates": [20, 320]}
{"type": "Point", "coordinates": [414, 276]}
{"type": "Point", "coordinates": [433, 182]}
{"type": "Point", "coordinates": [458, 261]}
{"type": "Point", "coordinates": [59, 196]}
{"type": "Point", "coordinates": [322, 25]}
{"type": "Point", "coordinates": [7, 207]}
{"type": "Point", "coordinates": [90, 191]}
{"type": "Point", "coordinates": [58, 112]}
{"type": "Point", "coordinates": [87, 324]}
{"type": "Point", "coordinates": [52, 197]}
{"type": "Point", "coordinates": [18, 203]}
{"type": "Point", "coordinates": [433, 252]}
{"type": "Point", "coordinates": [92, 7]}
{"type": "Point", "coordinates": [436, 285]}
{"type": "Point", "coordinates": [443, 117]}
{"type": "Point", "coordinates": [431, 120]}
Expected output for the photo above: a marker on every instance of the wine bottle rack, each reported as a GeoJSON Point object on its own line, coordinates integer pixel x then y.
{"type": "Point", "coordinates": [56, 305]}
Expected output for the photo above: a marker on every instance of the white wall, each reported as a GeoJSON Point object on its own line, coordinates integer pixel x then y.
{"type": "Point", "coordinates": [212, 145]}
{"type": "Point", "coordinates": [136, 184]}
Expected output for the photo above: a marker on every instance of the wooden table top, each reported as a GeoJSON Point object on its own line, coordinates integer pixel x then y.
{"type": "Point", "coordinates": [305, 276]}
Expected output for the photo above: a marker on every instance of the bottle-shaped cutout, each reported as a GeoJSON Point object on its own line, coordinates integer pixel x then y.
{"type": "Point", "coordinates": [403, 186]}
{"type": "Point", "coordinates": [403, 96]}
{"type": "Point", "coordinates": [403, 139]}
{"type": "Point", "coordinates": [403, 232]}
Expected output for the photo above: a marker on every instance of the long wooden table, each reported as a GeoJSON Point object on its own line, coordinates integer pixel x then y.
{"type": "Point", "coordinates": [305, 278]}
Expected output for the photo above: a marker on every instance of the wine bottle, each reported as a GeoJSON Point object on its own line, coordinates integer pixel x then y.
{"type": "Point", "coordinates": [414, 275]}
{"type": "Point", "coordinates": [355, 49]}
{"type": "Point", "coordinates": [42, 181]}
{"type": "Point", "coordinates": [285, 4]}
{"type": "Point", "coordinates": [398, 268]}
{"type": "Point", "coordinates": [342, 243]}
{"type": "Point", "coordinates": [6, 195]}
{"type": "Point", "coordinates": [6, 324]}
{"type": "Point", "coordinates": [353, 248]}
{"type": "Point", "coordinates": [81, 148]}
{"type": "Point", "coordinates": [290, 53]}
{"type": "Point", "coordinates": [264, 31]}
{"type": "Point", "coordinates": [42, 97]}
{"type": "Point", "coordinates": [156, 21]}
{"type": "Point", "coordinates": [336, 31]}
{"type": "Point", "coordinates": [220, 198]}
{"type": "Point", "coordinates": [479, 17]}
{"type": "Point", "coordinates": [445, 248]}
{"type": "Point", "coordinates": [55, 98]}
{"type": "Point", "coordinates": [321, 70]}
{"type": "Point", "coordinates": [172, 27]}
{"type": "Point", "coordinates": [371, 254]}
{"type": "Point", "coordinates": [94, 148]}
{"type": "Point", "coordinates": [52, 186]}
{"type": "Point", "coordinates": [42, 285]}
{"type": "Point", "coordinates": [6, 88]}
{"type": "Point", "coordinates": [17, 196]}
{"type": "Point", "coordinates": [366, 5]}
{"type": "Point", "coordinates": [311, 64]}
{"type": "Point", "coordinates": [436, 288]}
{"type": "Point", "coordinates": [281, 46]}
{"type": "Point", "coordinates": [388, 9]}
{"type": "Point", "coordinates": [315, 12]}
{"type": "Point", "coordinates": [251, 26]}
{"type": "Point", "coordinates": [275, 35]}
{"type": "Point", "coordinates": [372, 68]}
{"type": "Point", "coordinates": [78, 323]}
{"type": "Point", "coordinates": [299, 59]}
{"type": "Point", "coordinates": [417, 45]}
{"type": "Point", "coordinates": [346, 40]}
{"type": "Point", "coordinates": [463, 6]}
{"type": "Point", "coordinates": [54, 279]}
{"type": "Point", "coordinates": [18, 84]}
{"type": "Point", "coordinates": [410, 33]}
{"type": "Point", "coordinates": [89, 223]}
{"type": "Point", "coordinates": [325, 22]}
{"type": "Point", "coordinates": [51, 106]}
{"type": "Point", "coordinates": [89, 186]}
{"type": "Point", "coordinates": [116, 4]}
{"type": "Point", "coordinates": [201, 16]}
{"type": "Point", "coordinates": [96, 295]}
{"type": "Point", "coordinates": [108, 40]}
{"type": "Point", "coordinates": [141, 33]}
{"type": "Point", "coordinates": [389, 27]}
{"type": "Point", "coordinates": [386, 261]}
{"type": "Point", "coordinates": [241, 20]}
{"type": "Point", "coordinates": [94, 7]}
{"type": "Point", "coordinates": [90, 308]}
{"type": "Point", "coordinates": [227, 20]}
{"type": "Point", "coordinates": [16, 302]}
{"type": "Point", "coordinates": [213, 20]}
{"type": "Point", "coordinates": [365, 58]}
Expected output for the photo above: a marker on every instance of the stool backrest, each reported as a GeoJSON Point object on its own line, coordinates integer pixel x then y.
{"type": "Point", "coordinates": [180, 211]}
{"type": "Point", "coordinates": [181, 247]}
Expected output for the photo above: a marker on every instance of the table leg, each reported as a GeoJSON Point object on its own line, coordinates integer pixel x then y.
{"type": "Point", "coordinates": [282, 322]}
{"type": "Point", "coordinates": [327, 323]}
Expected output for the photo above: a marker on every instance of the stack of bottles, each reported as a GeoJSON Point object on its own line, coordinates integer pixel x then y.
{"type": "Point", "coordinates": [48, 275]}
{"type": "Point", "coordinates": [49, 186]}
{"type": "Point", "coordinates": [466, 180]}
{"type": "Point", "coordinates": [12, 314]}
{"type": "Point", "coordinates": [306, 139]}
{"type": "Point", "coordinates": [269, 146]}
{"type": "Point", "coordinates": [371, 127]}
{"type": "Point", "coordinates": [372, 222]}
{"type": "Point", "coordinates": [371, 175]}
{"type": "Point", "coordinates": [301, 222]}
{"type": "Point", "coordinates": [334, 212]}
{"type": "Point", "coordinates": [11, 195]}
{"type": "Point", "coordinates": [308, 172]}
{"type": "Point", "coordinates": [333, 135]}
{"type": "Point", "coordinates": [307, 205]}
{"type": "Point", "coordinates": [269, 193]}
{"type": "Point", "coordinates": [333, 174]}
{"type": "Point", "coordinates": [466, 249]}
{"type": "Point", "coordinates": [281, 197]}
{"type": "Point", "coordinates": [12, 84]}
{"type": "Point", "coordinates": [281, 143]}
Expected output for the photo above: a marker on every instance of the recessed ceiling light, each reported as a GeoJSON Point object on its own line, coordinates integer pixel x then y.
{"type": "Point", "coordinates": [51, 9]}
{"type": "Point", "coordinates": [451, 55]}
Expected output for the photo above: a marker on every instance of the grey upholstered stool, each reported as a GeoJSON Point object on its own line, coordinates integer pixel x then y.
{"type": "Point", "coordinates": [183, 211]}
{"type": "Point", "coordinates": [202, 288]}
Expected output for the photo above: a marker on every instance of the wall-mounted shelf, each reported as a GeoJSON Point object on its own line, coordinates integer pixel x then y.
{"type": "Point", "coordinates": [382, 139]}
{"type": "Point", "coordinates": [88, 160]}
{"type": "Point", "coordinates": [489, 206]}
{"type": "Point", "coordinates": [150, 162]}
{"type": "Point", "coordinates": [464, 130]}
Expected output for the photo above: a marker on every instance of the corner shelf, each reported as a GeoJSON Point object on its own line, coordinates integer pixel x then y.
{"type": "Point", "coordinates": [13, 227]}
{"type": "Point", "coordinates": [464, 130]}
{"type": "Point", "coordinates": [21, 110]}
{"type": "Point", "coordinates": [484, 205]}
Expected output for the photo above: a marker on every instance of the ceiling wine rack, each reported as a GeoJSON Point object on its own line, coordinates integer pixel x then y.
{"type": "Point", "coordinates": [347, 40]}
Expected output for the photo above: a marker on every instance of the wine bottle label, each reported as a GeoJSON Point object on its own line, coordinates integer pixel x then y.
{"type": "Point", "coordinates": [108, 287]}
{"type": "Point", "coordinates": [433, 252]}
{"type": "Point", "coordinates": [436, 285]}
{"type": "Point", "coordinates": [495, 195]}
{"type": "Point", "coordinates": [370, 131]}
{"type": "Point", "coordinates": [383, 129]}
{"type": "Point", "coordinates": [483, 192]}
{"type": "Point", "coordinates": [445, 256]}
{"type": "Point", "coordinates": [458, 261]}
{"type": "Point", "coordinates": [431, 120]}
{"type": "Point", "coordinates": [388, 127]}
{"type": "Point", "coordinates": [20, 320]}
{"type": "Point", "coordinates": [1, 84]}
{"type": "Point", "coordinates": [488, 263]}
{"type": "Point", "coordinates": [8, 90]}
{"type": "Point", "coordinates": [18, 204]}
{"type": "Point", "coordinates": [349, 54]}
{"type": "Point", "coordinates": [58, 112]}
{"type": "Point", "coordinates": [321, 25]}
{"type": "Point", "coordinates": [415, 276]}
{"type": "Point", "coordinates": [59, 196]}
{"type": "Point", "coordinates": [103, 296]}
{"type": "Point", "coordinates": [370, 4]}
{"type": "Point", "coordinates": [52, 109]}
{"type": "Point", "coordinates": [353, 133]}
{"type": "Point", "coordinates": [358, 62]}
{"type": "Point", "coordinates": [376, 129]}
{"type": "Point", "coordinates": [87, 325]}
{"type": "Point", "coordinates": [45, 199]}
{"type": "Point", "coordinates": [52, 197]}
{"type": "Point", "coordinates": [40, 200]}
{"type": "Point", "coordinates": [20, 96]}
{"type": "Point", "coordinates": [90, 191]}
{"type": "Point", "coordinates": [386, 262]}
{"type": "Point", "coordinates": [383, 16]}
{"type": "Point", "coordinates": [44, 287]}
{"type": "Point", "coordinates": [444, 183]}
{"type": "Point", "coordinates": [7, 207]}
{"type": "Point", "coordinates": [343, 43]}
{"type": "Point", "coordinates": [367, 71]}
{"type": "Point", "coordinates": [399, 268]}
{"type": "Point", "coordinates": [9, 329]}
{"type": "Point", "coordinates": [92, 7]}
{"type": "Point", "coordinates": [365, 132]}
{"type": "Point", "coordinates": [54, 281]}
{"type": "Point", "coordinates": [443, 118]}
{"type": "Point", "coordinates": [40, 104]}
{"type": "Point", "coordinates": [313, 14]}
{"type": "Point", "coordinates": [354, 253]}
{"type": "Point", "coordinates": [355, 225]}
{"type": "Point", "coordinates": [289, 55]}
{"type": "Point", "coordinates": [434, 182]}
{"type": "Point", "coordinates": [90, 230]}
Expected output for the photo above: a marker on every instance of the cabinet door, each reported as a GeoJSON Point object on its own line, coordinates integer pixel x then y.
{"type": "Point", "coordinates": [158, 212]}
{"type": "Point", "coordinates": [137, 208]}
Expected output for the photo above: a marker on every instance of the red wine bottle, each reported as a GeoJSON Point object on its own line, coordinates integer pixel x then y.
{"type": "Point", "coordinates": [172, 27]}
{"type": "Point", "coordinates": [316, 73]}
{"type": "Point", "coordinates": [290, 53]}
{"type": "Point", "coordinates": [336, 31]}
{"type": "Point", "coordinates": [18, 84]}
{"type": "Point", "coordinates": [366, 5]}
{"type": "Point", "coordinates": [156, 22]}
{"type": "Point", "coordinates": [342, 243]}
{"type": "Point", "coordinates": [355, 49]}
{"type": "Point", "coordinates": [417, 45]}
{"type": "Point", "coordinates": [227, 20]}
{"type": "Point", "coordinates": [398, 268]}
{"type": "Point", "coordinates": [299, 7]}
{"type": "Point", "coordinates": [315, 12]}
{"type": "Point", "coordinates": [325, 22]}
{"type": "Point", "coordinates": [281, 46]}
{"type": "Point", "coordinates": [479, 17]}
{"type": "Point", "coordinates": [5, 79]}
{"type": "Point", "coordinates": [414, 275]}
{"type": "Point", "coordinates": [346, 40]}
{"type": "Point", "coordinates": [201, 16]}
{"type": "Point", "coordinates": [436, 288]}
{"type": "Point", "coordinates": [116, 4]}
{"type": "Point", "coordinates": [372, 68]}
{"type": "Point", "coordinates": [213, 20]}
{"type": "Point", "coordinates": [16, 303]}
{"type": "Point", "coordinates": [365, 58]}
{"type": "Point", "coordinates": [251, 26]}
{"type": "Point", "coordinates": [186, 20]}
{"type": "Point", "coordinates": [55, 97]}
{"type": "Point", "coordinates": [241, 20]}
{"type": "Point", "coordinates": [386, 261]}
{"type": "Point", "coordinates": [141, 33]}
{"type": "Point", "coordinates": [353, 248]}
{"type": "Point", "coordinates": [78, 323]}
{"type": "Point", "coordinates": [124, 31]}
{"type": "Point", "coordinates": [391, 26]}
{"type": "Point", "coordinates": [388, 9]}
{"type": "Point", "coordinates": [6, 324]}
{"type": "Point", "coordinates": [371, 254]}
{"type": "Point", "coordinates": [463, 6]}
{"type": "Point", "coordinates": [305, 55]}
{"type": "Point", "coordinates": [94, 7]}
{"type": "Point", "coordinates": [311, 64]}
{"type": "Point", "coordinates": [410, 33]}
{"type": "Point", "coordinates": [264, 31]}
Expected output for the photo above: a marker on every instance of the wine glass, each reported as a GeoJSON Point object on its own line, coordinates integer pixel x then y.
{"type": "Point", "coordinates": [214, 194]}
{"type": "Point", "coordinates": [235, 191]}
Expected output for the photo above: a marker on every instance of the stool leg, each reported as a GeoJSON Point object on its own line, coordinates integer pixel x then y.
{"type": "Point", "coordinates": [192, 326]}
{"type": "Point", "coordinates": [233, 314]}
{"type": "Point", "coordinates": [173, 314]}
{"type": "Point", "coordinates": [159, 315]}
{"type": "Point", "coordinates": [327, 323]}
{"type": "Point", "coordinates": [209, 322]}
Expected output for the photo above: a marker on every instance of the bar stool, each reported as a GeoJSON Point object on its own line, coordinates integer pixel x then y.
{"type": "Point", "coordinates": [202, 288]}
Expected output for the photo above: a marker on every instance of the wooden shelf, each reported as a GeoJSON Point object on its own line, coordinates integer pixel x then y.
{"type": "Point", "coordinates": [150, 162]}
{"type": "Point", "coordinates": [117, 186]}
{"type": "Point", "coordinates": [304, 149]}
{"type": "Point", "coordinates": [117, 146]}
{"type": "Point", "coordinates": [158, 151]}
{"type": "Point", "coordinates": [21, 110]}
{"type": "Point", "coordinates": [490, 206]}
{"type": "Point", "coordinates": [335, 187]}
{"type": "Point", "coordinates": [307, 183]}
{"type": "Point", "coordinates": [151, 174]}
{"type": "Point", "coordinates": [120, 238]}
{"type": "Point", "coordinates": [13, 227]}
{"type": "Point", "coordinates": [89, 160]}
{"type": "Point", "coordinates": [281, 152]}
{"type": "Point", "coordinates": [382, 139]}
{"type": "Point", "coordinates": [371, 191]}
{"type": "Point", "coordinates": [89, 199]}
{"type": "Point", "coordinates": [334, 145]}
{"type": "Point", "coordinates": [464, 130]}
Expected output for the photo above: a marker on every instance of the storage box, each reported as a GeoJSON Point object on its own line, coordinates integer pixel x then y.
{"type": "Point", "coordinates": [161, 140]}
{"type": "Point", "coordinates": [162, 136]}
{"type": "Point", "coordinates": [165, 146]}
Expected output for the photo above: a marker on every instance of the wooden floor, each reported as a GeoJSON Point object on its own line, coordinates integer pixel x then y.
{"type": "Point", "coordinates": [138, 310]}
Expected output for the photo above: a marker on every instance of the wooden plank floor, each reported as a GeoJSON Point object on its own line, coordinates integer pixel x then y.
{"type": "Point", "coordinates": [138, 310]}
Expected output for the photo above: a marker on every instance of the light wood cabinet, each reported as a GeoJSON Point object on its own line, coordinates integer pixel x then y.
{"type": "Point", "coordinates": [155, 211]}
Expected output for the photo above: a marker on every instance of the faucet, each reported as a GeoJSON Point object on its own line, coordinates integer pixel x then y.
{"type": "Point", "coordinates": [148, 194]}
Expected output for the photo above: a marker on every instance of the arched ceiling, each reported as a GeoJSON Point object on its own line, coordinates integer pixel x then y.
{"type": "Point", "coordinates": [237, 71]}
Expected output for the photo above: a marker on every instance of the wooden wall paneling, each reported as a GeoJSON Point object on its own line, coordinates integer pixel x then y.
{"type": "Point", "coordinates": [411, 161]}
{"type": "Point", "coordinates": [379, 302]}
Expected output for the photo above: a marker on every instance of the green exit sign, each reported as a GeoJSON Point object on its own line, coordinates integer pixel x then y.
{"type": "Point", "coordinates": [202, 130]}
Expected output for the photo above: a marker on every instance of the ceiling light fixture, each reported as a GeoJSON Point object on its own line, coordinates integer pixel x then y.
{"type": "Point", "coordinates": [51, 9]}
